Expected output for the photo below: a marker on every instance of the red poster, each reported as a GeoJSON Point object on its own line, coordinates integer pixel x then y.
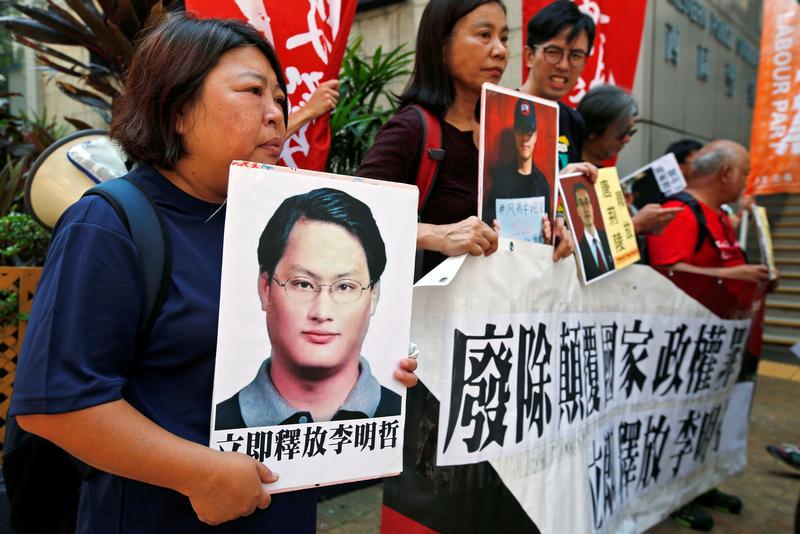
{"type": "Point", "coordinates": [310, 37]}
{"type": "Point", "coordinates": [616, 44]}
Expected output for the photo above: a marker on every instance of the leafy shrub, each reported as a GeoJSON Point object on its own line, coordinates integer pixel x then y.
{"type": "Point", "coordinates": [23, 241]}
{"type": "Point", "coordinates": [362, 95]}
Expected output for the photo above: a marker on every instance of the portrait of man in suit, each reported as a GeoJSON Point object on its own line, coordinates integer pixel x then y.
{"type": "Point", "coordinates": [595, 252]}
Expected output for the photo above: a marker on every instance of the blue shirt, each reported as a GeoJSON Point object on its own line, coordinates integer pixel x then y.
{"type": "Point", "coordinates": [79, 351]}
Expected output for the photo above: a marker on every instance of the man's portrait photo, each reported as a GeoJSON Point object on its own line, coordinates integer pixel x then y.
{"type": "Point", "coordinates": [320, 258]}
{"type": "Point", "coordinates": [584, 212]}
{"type": "Point", "coordinates": [518, 157]}
{"type": "Point", "coordinates": [314, 321]}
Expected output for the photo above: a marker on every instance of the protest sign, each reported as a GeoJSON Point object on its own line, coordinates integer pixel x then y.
{"type": "Point", "coordinates": [600, 222]}
{"type": "Point", "coordinates": [517, 161]}
{"type": "Point", "coordinates": [569, 408]}
{"type": "Point", "coordinates": [315, 307]}
{"type": "Point", "coordinates": [764, 237]}
{"type": "Point", "coordinates": [619, 24]}
{"type": "Point", "coordinates": [744, 227]}
{"type": "Point", "coordinates": [521, 218]}
{"type": "Point", "coordinates": [775, 136]}
{"type": "Point", "coordinates": [310, 39]}
{"type": "Point", "coordinates": [654, 182]}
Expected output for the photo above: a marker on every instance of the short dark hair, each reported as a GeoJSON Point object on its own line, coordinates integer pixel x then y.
{"type": "Point", "coordinates": [578, 187]}
{"type": "Point", "coordinates": [166, 74]}
{"type": "Point", "coordinates": [323, 205]}
{"type": "Point", "coordinates": [553, 18]}
{"type": "Point", "coordinates": [684, 148]}
{"type": "Point", "coordinates": [430, 84]}
{"type": "Point", "coordinates": [603, 105]}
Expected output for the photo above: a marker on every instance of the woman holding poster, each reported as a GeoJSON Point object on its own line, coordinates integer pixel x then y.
{"type": "Point", "coordinates": [609, 113]}
{"type": "Point", "coordinates": [199, 94]}
{"type": "Point", "coordinates": [472, 37]}
{"type": "Point", "coordinates": [460, 45]}
{"type": "Point", "coordinates": [472, 40]}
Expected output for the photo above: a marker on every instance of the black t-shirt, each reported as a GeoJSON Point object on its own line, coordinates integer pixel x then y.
{"type": "Point", "coordinates": [508, 182]}
{"type": "Point", "coordinates": [571, 130]}
{"type": "Point", "coordinates": [395, 157]}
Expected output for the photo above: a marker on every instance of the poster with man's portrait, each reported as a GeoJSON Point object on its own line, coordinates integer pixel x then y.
{"type": "Point", "coordinates": [517, 163]}
{"type": "Point", "coordinates": [315, 310]}
{"type": "Point", "coordinates": [601, 224]}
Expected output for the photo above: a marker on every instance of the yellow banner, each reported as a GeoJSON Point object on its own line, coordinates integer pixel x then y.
{"type": "Point", "coordinates": [617, 218]}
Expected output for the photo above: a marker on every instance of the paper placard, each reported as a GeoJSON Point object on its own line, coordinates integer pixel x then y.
{"type": "Point", "coordinates": [601, 224]}
{"type": "Point", "coordinates": [315, 311]}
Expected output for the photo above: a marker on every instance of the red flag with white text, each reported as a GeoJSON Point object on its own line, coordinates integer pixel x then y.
{"type": "Point", "coordinates": [616, 44]}
{"type": "Point", "coordinates": [310, 37]}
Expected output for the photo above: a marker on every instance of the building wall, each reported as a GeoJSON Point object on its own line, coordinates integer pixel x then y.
{"type": "Point", "coordinates": [673, 102]}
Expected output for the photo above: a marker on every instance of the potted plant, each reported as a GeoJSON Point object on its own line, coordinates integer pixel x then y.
{"type": "Point", "coordinates": [365, 102]}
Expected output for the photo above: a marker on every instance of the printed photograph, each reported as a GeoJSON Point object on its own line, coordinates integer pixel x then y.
{"type": "Point", "coordinates": [315, 306]}
{"type": "Point", "coordinates": [586, 221]}
{"type": "Point", "coordinates": [654, 182]}
{"type": "Point", "coordinates": [517, 162]}
{"type": "Point", "coordinates": [321, 242]}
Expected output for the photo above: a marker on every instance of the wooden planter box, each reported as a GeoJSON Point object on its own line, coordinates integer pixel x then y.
{"type": "Point", "coordinates": [21, 280]}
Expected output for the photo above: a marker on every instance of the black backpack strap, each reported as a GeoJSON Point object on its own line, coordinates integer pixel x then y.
{"type": "Point", "coordinates": [702, 226]}
{"type": "Point", "coordinates": [146, 225]}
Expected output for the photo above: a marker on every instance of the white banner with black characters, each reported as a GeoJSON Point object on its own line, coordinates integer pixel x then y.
{"type": "Point", "coordinates": [315, 311]}
{"type": "Point", "coordinates": [602, 408]}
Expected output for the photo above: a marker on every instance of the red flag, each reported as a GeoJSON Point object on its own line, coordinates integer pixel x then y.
{"type": "Point", "coordinates": [616, 44]}
{"type": "Point", "coordinates": [310, 37]}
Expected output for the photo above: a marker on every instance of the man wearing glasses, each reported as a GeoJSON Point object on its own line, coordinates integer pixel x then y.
{"type": "Point", "coordinates": [560, 38]}
{"type": "Point", "coordinates": [321, 257]}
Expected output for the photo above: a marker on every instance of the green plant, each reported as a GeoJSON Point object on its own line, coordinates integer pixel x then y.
{"type": "Point", "coordinates": [363, 94]}
{"type": "Point", "coordinates": [105, 28]}
{"type": "Point", "coordinates": [22, 139]}
{"type": "Point", "coordinates": [12, 183]}
{"type": "Point", "coordinates": [9, 308]}
{"type": "Point", "coordinates": [23, 241]}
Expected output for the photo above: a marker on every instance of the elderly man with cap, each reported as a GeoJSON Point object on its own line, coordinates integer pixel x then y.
{"type": "Point", "coordinates": [518, 178]}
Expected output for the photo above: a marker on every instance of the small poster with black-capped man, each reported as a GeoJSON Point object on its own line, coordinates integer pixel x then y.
{"type": "Point", "coordinates": [314, 319]}
{"type": "Point", "coordinates": [517, 162]}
